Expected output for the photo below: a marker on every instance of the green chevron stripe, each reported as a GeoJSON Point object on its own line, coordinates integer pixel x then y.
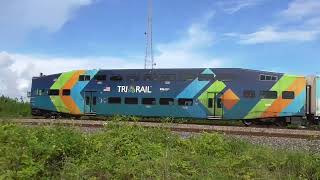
{"type": "Point", "coordinates": [216, 87]}
{"type": "Point", "coordinates": [60, 82]}
{"type": "Point", "coordinates": [283, 84]}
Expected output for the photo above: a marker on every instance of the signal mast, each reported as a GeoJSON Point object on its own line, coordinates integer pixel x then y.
{"type": "Point", "coordinates": [149, 59]}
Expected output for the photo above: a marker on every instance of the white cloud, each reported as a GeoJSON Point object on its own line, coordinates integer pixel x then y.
{"type": "Point", "coordinates": [271, 34]}
{"type": "Point", "coordinates": [187, 51]}
{"type": "Point", "coordinates": [299, 22]}
{"type": "Point", "coordinates": [302, 9]}
{"type": "Point", "coordinates": [233, 6]}
{"type": "Point", "coordinates": [20, 17]}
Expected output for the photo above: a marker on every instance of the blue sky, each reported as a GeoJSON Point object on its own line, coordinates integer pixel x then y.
{"type": "Point", "coordinates": [61, 35]}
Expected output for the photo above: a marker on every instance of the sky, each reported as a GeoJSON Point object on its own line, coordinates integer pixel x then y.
{"type": "Point", "coordinates": [62, 35]}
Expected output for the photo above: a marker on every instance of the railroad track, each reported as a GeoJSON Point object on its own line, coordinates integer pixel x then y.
{"type": "Point", "coordinates": [234, 130]}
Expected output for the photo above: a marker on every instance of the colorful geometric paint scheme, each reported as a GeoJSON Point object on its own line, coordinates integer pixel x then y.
{"type": "Point", "coordinates": [219, 93]}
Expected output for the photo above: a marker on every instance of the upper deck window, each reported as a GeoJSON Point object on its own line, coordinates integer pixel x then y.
{"type": "Point", "coordinates": [188, 77]}
{"type": "Point", "coordinates": [116, 78]}
{"type": "Point", "coordinates": [205, 77]}
{"type": "Point", "coordinates": [268, 77]}
{"type": "Point", "coordinates": [84, 78]}
{"type": "Point", "coordinates": [101, 77]}
{"type": "Point", "coordinates": [167, 77]}
{"type": "Point", "coordinates": [132, 78]}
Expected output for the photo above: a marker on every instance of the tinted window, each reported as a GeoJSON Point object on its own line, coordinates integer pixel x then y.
{"type": "Point", "coordinates": [66, 92]}
{"type": "Point", "coordinates": [269, 94]}
{"type": "Point", "coordinates": [210, 102]}
{"type": "Point", "coordinates": [167, 77]}
{"type": "Point", "coordinates": [148, 77]}
{"type": "Point", "coordinates": [166, 101]}
{"type": "Point", "coordinates": [53, 92]}
{"type": "Point", "coordinates": [205, 77]}
{"type": "Point", "coordinates": [84, 78]}
{"type": "Point", "coordinates": [188, 77]}
{"type": "Point", "coordinates": [132, 78]}
{"type": "Point", "coordinates": [249, 94]}
{"type": "Point", "coordinates": [94, 100]}
{"type": "Point", "coordinates": [288, 95]}
{"type": "Point", "coordinates": [274, 78]}
{"type": "Point", "coordinates": [131, 100]}
{"type": "Point", "coordinates": [101, 77]}
{"type": "Point", "coordinates": [114, 100]}
{"type": "Point", "coordinates": [185, 102]}
{"type": "Point", "coordinates": [262, 77]}
{"type": "Point", "coordinates": [268, 78]}
{"type": "Point", "coordinates": [149, 101]}
{"type": "Point", "coordinates": [87, 100]}
{"type": "Point", "coordinates": [116, 78]}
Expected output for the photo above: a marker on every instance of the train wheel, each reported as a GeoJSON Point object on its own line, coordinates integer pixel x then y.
{"type": "Point", "coordinates": [247, 122]}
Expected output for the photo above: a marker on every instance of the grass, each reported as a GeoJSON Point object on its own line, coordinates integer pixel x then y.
{"type": "Point", "coordinates": [123, 151]}
{"type": "Point", "coordinates": [13, 108]}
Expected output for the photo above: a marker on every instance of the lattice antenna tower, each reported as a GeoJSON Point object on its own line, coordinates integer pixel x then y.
{"type": "Point", "coordinates": [149, 62]}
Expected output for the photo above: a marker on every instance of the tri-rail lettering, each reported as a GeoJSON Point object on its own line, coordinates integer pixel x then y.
{"type": "Point", "coordinates": [135, 89]}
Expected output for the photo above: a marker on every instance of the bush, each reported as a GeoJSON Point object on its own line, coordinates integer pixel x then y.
{"type": "Point", "coordinates": [14, 108]}
{"type": "Point", "coordinates": [123, 151]}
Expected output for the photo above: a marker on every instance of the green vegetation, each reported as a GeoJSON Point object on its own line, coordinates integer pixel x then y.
{"type": "Point", "coordinates": [123, 151]}
{"type": "Point", "coordinates": [13, 108]}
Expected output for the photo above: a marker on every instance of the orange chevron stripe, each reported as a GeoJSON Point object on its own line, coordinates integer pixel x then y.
{"type": "Point", "coordinates": [67, 100]}
{"type": "Point", "coordinates": [280, 104]}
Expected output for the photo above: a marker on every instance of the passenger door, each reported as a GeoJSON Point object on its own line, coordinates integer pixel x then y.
{"type": "Point", "coordinates": [215, 104]}
{"type": "Point", "coordinates": [90, 102]}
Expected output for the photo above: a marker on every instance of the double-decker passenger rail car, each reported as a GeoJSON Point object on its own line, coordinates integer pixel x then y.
{"type": "Point", "coordinates": [201, 93]}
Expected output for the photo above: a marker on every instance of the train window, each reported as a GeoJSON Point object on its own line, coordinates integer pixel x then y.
{"type": "Point", "coordinates": [262, 77]}
{"type": "Point", "coordinates": [53, 92]}
{"type": "Point", "coordinates": [188, 77]}
{"type": "Point", "coordinates": [269, 94]}
{"type": "Point", "coordinates": [66, 92]}
{"type": "Point", "coordinates": [166, 101]}
{"type": "Point", "coordinates": [148, 77]}
{"type": "Point", "coordinates": [116, 78]}
{"type": "Point", "coordinates": [167, 77]}
{"type": "Point", "coordinates": [84, 78]}
{"type": "Point", "coordinates": [288, 95]}
{"type": "Point", "coordinates": [41, 92]}
{"type": "Point", "coordinates": [101, 77]}
{"type": "Point", "coordinates": [114, 100]}
{"type": "Point", "coordinates": [210, 102]}
{"type": "Point", "coordinates": [249, 94]}
{"type": "Point", "coordinates": [205, 77]}
{"type": "Point", "coordinates": [94, 100]}
{"type": "Point", "coordinates": [149, 101]}
{"type": "Point", "coordinates": [87, 100]}
{"type": "Point", "coordinates": [219, 103]}
{"type": "Point", "coordinates": [132, 78]}
{"type": "Point", "coordinates": [268, 78]}
{"type": "Point", "coordinates": [131, 100]}
{"type": "Point", "coordinates": [185, 102]}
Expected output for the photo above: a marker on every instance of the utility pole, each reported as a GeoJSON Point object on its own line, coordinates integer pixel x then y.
{"type": "Point", "coordinates": [149, 60]}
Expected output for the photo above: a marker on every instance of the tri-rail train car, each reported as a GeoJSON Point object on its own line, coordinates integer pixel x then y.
{"type": "Point", "coordinates": [201, 93]}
